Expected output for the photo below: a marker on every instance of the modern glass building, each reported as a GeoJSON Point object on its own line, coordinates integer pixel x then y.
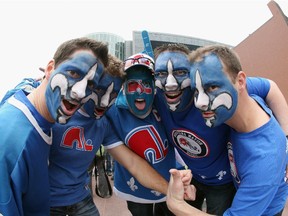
{"type": "Point", "coordinates": [158, 39]}
{"type": "Point", "coordinates": [115, 43]}
{"type": "Point", "coordinates": [122, 48]}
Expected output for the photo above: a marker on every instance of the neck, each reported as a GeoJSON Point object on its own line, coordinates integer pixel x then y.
{"type": "Point", "coordinates": [248, 115]}
{"type": "Point", "coordinates": [37, 98]}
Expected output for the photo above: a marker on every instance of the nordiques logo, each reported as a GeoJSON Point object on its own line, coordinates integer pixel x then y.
{"type": "Point", "coordinates": [190, 144]}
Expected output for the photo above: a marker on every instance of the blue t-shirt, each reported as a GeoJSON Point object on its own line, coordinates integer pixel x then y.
{"type": "Point", "coordinates": [258, 163]}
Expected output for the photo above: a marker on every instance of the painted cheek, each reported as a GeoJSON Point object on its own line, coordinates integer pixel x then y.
{"type": "Point", "coordinates": [159, 84]}
{"type": "Point", "coordinates": [105, 99]}
{"type": "Point", "coordinates": [186, 83]}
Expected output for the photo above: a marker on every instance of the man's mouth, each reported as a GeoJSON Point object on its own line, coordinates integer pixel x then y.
{"type": "Point", "coordinates": [140, 103]}
{"type": "Point", "coordinates": [69, 107]}
{"type": "Point", "coordinates": [208, 114]}
{"type": "Point", "coordinates": [99, 111]}
{"type": "Point", "coordinates": [173, 97]}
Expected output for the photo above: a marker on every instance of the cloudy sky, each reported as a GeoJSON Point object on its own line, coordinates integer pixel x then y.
{"type": "Point", "coordinates": [32, 30]}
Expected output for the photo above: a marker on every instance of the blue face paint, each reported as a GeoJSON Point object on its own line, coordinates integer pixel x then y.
{"type": "Point", "coordinates": [104, 96]}
{"type": "Point", "coordinates": [69, 85]}
{"type": "Point", "coordinates": [173, 81]}
{"type": "Point", "coordinates": [215, 95]}
{"type": "Point", "coordinates": [139, 91]}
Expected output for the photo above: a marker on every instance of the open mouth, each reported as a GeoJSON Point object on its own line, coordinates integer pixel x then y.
{"type": "Point", "coordinates": [208, 115]}
{"type": "Point", "coordinates": [173, 97]}
{"type": "Point", "coordinates": [69, 107]}
{"type": "Point", "coordinates": [99, 111]}
{"type": "Point", "coordinates": [140, 104]}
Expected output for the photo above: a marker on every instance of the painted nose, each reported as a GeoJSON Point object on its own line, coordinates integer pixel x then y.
{"type": "Point", "coordinates": [79, 90]}
{"type": "Point", "coordinates": [171, 83]}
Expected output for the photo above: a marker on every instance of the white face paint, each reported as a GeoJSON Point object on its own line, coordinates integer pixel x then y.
{"type": "Point", "coordinates": [78, 90]}
{"type": "Point", "coordinates": [105, 99]}
{"type": "Point", "coordinates": [172, 78]}
{"type": "Point", "coordinates": [103, 96]}
{"type": "Point", "coordinates": [215, 95]}
{"type": "Point", "coordinates": [72, 81]}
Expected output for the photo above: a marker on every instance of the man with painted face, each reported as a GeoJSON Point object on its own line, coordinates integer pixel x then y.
{"type": "Point", "coordinates": [26, 124]}
{"type": "Point", "coordinates": [138, 124]}
{"type": "Point", "coordinates": [76, 143]}
{"type": "Point", "coordinates": [203, 149]}
{"type": "Point", "coordinates": [257, 145]}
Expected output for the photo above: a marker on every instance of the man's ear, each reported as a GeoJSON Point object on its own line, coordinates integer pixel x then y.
{"type": "Point", "coordinates": [241, 80]}
{"type": "Point", "coordinates": [49, 69]}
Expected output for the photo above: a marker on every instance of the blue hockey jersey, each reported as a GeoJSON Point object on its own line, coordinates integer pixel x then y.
{"type": "Point", "coordinates": [74, 147]}
{"type": "Point", "coordinates": [24, 142]}
{"type": "Point", "coordinates": [147, 138]}
{"type": "Point", "coordinates": [203, 149]}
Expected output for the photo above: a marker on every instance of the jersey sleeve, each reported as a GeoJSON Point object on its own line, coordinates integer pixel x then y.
{"type": "Point", "coordinates": [8, 204]}
{"type": "Point", "coordinates": [258, 86]}
{"type": "Point", "coordinates": [27, 85]}
{"type": "Point", "coordinates": [111, 139]}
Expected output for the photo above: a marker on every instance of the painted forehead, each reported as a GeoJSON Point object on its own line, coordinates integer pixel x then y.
{"type": "Point", "coordinates": [81, 63]}
{"type": "Point", "coordinates": [139, 73]}
{"type": "Point", "coordinates": [107, 79]}
{"type": "Point", "coordinates": [210, 68]}
{"type": "Point", "coordinates": [178, 59]}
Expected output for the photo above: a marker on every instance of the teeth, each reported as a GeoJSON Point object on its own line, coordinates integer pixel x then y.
{"type": "Point", "coordinates": [140, 100]}
{"type": "Point", "coordinates": [172, 94]}
{"type": "Point", "coordinates": [73, 102]}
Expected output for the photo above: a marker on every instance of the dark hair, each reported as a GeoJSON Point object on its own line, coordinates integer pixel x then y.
{"type": "Point", "coordinates": [171, 47]}
{"type": "Point", "coordinates": [66, 49]}
{"type": "Point", "coordinates": [115, 66]}
{"type": "Point", "coordinates": [229, 58]}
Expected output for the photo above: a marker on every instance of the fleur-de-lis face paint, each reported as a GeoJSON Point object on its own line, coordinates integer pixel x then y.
{"type": "Point", "coordinates": [139, 91]}
{"type": "Point", "coordinates": [215, 94]}
{"type": "Point", "coordinates": [173, 81]}
{"type": "Point", "coordinates": [103, 96]}
{"type": "Point", "coordinates": [69, 85]}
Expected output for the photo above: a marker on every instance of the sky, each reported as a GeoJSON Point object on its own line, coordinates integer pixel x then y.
{"type": "Point", "coordinates": [31, 31]}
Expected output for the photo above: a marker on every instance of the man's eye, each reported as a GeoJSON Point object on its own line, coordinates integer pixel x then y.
{"type": "Point", "coordinates": [90, 84]}
{"type": "Point", "coordinates": [161, 74]}
{"type": "Point", "coordinates": [180, 72]}
{"type": "Point", "coordinates": [73, 74]}
{"type": "Point", "coordinates": [212, 88]}
{"type": "Point", "coordinates": [146, 83]}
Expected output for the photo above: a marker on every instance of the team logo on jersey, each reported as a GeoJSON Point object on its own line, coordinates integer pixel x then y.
{"type": "Point", "coordinates": [132, 185]}
{"type": "Point", "coordinates": [233, 167]}
{"type": "Point", "coordinates": [190, 144]}
{"type": "Point", "coordinates": [74, 136]}
{"type": "Point", "coordinates": [147, 143]}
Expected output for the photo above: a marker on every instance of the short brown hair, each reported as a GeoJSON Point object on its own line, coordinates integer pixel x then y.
{"type": "Point", "coordinates": [229, 58]}
{"type": "Point", "coordinates": [171, 47]}
{"type": "Point", "coordinates": [115, 66]}
{"type": "Point", "coordinates": [67, 48]}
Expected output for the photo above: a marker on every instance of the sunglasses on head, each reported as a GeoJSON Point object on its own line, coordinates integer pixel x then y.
{"type": "Point", "coordinates": [141, 60]}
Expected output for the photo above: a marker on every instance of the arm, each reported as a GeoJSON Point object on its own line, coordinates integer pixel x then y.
{"type": "Point", "coordinates": [139, 168]}
{"type": "Point", "coordinates": [175, 193]}
{"type": "Point", "coordinates": [277, 103]}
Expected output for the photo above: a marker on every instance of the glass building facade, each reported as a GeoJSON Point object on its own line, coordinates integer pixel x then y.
{"type": "Point", "coordinates": [115, 43]}
{"type": "Point", "coordinates": [122, 48]}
